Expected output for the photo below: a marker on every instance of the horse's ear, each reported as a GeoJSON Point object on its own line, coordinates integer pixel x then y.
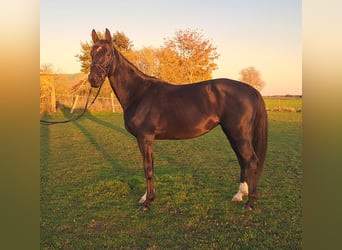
{"type": "Point", "coordinates": [94, 36]}
{"type": "Point", "coordinates": [108, 36]}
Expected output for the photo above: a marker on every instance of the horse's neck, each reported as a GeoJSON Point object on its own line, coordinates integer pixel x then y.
{"type": "Point", "coordinates": [127, 82]}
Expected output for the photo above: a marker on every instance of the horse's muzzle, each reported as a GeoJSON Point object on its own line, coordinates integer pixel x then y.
{"type": "Point", "coordinates": [95, 80]}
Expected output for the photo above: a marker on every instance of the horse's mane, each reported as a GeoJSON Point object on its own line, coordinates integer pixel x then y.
{"type": "Point", "coordinates": [134, 67]}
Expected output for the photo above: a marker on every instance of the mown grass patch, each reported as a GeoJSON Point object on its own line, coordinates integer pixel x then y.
{"type": "Point", "coordinates": [92, 179]}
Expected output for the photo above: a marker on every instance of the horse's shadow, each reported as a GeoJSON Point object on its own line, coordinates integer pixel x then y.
{"type": "Point", "coordinates": [108, 125]}
{"type": "Point", "coordinates": [89, 135]}
{"type": "Point", "coordinates": [45, 139]}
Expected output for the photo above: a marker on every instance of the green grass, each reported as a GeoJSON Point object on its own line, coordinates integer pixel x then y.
{"type": "Point", "coordinates": [92, 179]}
{"type": "Point", "coordinates": [284, 104]}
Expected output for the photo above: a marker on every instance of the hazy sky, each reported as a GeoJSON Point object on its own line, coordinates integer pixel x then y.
{"type": "Point", "coordinates": [264, 34]}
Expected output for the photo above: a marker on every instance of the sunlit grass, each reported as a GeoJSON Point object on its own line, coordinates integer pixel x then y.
{"type": "Point", "coordinates": [92, 179]}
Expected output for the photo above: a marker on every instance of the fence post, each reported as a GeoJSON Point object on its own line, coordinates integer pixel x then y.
{"type": "Point", "coordinates": [112, 99]}
{"type": "Point", "coordinates": [53, 95]}
{"type": "Point", "coordinates": [74, 105]}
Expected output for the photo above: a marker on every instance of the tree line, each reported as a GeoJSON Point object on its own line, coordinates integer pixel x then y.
{"type": "Point", "coordinates": [186, 57]}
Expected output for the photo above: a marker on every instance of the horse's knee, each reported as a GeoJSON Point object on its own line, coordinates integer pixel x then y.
{"type": "Point", "coordinates": [148, 173]}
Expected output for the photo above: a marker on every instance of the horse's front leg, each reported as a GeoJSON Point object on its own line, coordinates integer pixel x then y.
{"type": "Point", "coordinates": [146, 148]}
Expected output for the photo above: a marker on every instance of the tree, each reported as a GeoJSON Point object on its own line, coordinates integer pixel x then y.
{"type": "Point", "coordinates": [193, 55]}
{"type": "Point", "coordinates": [47, 68]}
{"type": "Point", "coordinates": [84, 58]}
{"type": "Point", "coordinates": [169, 66]}
{"type": "Point", "coordinates": [146, 60]}
{"type": "Point", "coordinates": [187, 57]}
{"type": "Point", "coordinates": [252, 77]}
{"type": "Point", "coordinates": [120, 41]}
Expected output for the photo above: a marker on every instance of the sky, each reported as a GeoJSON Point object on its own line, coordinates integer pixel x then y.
{"type": "Point", "coordinates": [264, 34]}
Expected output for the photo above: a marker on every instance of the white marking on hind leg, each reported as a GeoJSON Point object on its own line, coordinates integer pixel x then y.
{"type": "Point", "coordinates": [243, 190]}
{"type": "Point", "coordinates": [143, 198]}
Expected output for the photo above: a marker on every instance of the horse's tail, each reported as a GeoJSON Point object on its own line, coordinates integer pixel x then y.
{"type": "Point", "coordinates": [260, 134]}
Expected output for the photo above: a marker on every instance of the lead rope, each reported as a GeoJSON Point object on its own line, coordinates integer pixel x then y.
{"type": "Point", "coordinates": [45, 122]}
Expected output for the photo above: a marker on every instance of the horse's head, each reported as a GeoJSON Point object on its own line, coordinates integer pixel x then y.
{"type": "Point", "coordinates": [102, 56]}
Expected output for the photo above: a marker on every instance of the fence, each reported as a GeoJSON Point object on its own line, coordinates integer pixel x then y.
{"type": "Point", "coordinates": [74, 102]}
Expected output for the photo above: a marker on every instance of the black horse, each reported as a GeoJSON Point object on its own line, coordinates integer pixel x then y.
{"type": "Point", "coordinates": [154, 109]}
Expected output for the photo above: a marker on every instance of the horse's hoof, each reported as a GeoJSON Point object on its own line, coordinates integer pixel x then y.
{"type": "Point", "coordinates": [248, 207]}
{"type": "Point", "coordinates": [143, 208]}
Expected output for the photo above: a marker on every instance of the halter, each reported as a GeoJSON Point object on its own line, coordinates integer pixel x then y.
{"type": "Point", "coordinates": [103, 71]}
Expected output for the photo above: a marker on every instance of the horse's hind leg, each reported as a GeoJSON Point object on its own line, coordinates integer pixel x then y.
{"type": "Point", "coordinates": [242, 146]}
{"type": "Point", "coordinates": [146, 148]}
{"type": "Point", "coordinates": [248, 179]}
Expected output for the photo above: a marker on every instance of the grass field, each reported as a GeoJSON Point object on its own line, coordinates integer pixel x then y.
{"type": "Point", "coordinates": [92, 179]}
{"type": "Point", "coordinates": [283, 104]}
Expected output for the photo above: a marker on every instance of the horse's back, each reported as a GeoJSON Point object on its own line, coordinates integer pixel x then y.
{"type": "Point", "coordinates": [233, 88]}
{"type": "Point", "coordinates": [220, 96]}
{"type": "Point", "coordinates": [234, 98]}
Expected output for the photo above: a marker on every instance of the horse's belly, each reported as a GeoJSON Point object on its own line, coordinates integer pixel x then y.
{"type": "Point", "coordinates": [186, 129]}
